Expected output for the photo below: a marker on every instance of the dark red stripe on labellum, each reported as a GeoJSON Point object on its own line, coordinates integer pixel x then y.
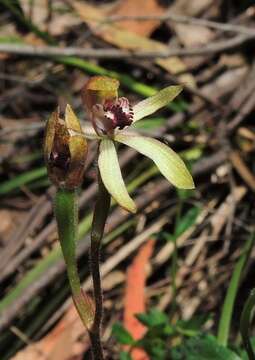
{"type": "Point", "coordinates": [119, 112]}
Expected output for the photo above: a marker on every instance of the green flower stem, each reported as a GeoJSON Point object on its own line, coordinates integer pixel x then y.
{"type": "Point", "coordinates": [99, 219]}
{"type": "Point", "coordinates": [66, 213]}
{"type": "Point", "coordinates": [228, 306]}
{"type": "Point", "coordinates": [245, 324]}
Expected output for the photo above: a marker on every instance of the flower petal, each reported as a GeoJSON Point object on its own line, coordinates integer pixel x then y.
{"type": "Point", "coordinates": [168, 162]}
{"type": "Point", "coordinates": [111, 175]}
{"type": "Point", "coordinates": [71, 119]}
{"type": "Point", "coordinates": [155, 102]}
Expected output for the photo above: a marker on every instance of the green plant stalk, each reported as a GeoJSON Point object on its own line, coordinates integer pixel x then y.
{"type": "Point", "coordinates": [227, 309]}
{"type": "Point", "coordinates": [101, 211]}
{"type": "Point", "coordinates": [22, 179]}
{"type": "Point", "coordinates": [245, 323]}
{"type": "Point", "coordinates": [66, 213]}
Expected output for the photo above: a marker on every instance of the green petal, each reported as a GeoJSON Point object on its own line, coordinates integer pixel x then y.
{"type": "Point", "coordinates": [167, 161]}
{"type": "Point", "coordinates": [155, 102]}
{"type": "Point", "coordinates": [111, 175]}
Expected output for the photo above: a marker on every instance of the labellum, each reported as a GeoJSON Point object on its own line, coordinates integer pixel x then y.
{"type": "Point", "coordinates": [111, 115]}
{"type": "Point", "coordinates": [107, 112]}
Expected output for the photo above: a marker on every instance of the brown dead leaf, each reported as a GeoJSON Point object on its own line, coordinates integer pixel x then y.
{"type": "Point", "coordinates": [132, 8]}
{"type": "Point", "coordinates": [124, 39]}
{"type": "Point", "coordinates": [134, 301]}
{"type": "Point", "coordinates": [62, 343]}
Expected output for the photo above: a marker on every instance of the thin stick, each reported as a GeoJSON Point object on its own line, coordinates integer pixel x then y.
{"type": "Point", "coordinates": [184, 20]}
{"type": "Point", "coordinates": [99, 219]}
{"type": "Point", "coordinates": [112, 53]}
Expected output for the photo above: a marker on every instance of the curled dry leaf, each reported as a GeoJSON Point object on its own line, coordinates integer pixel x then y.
{"type": "Point", "coordinates": [124, 39]}
{"type": "Point", "coordinates": [144, 28]}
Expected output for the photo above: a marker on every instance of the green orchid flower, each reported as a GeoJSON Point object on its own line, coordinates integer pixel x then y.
{"type": "Point", "coordinates": [112, 119]}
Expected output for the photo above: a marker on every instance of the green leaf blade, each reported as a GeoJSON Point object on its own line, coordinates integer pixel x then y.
{"type": "Point", "coordinates": [122, 335]}
{"type": "Point", "coordinates": [153, 318]}
{"type": "Point", "coordinates": [201, 348]}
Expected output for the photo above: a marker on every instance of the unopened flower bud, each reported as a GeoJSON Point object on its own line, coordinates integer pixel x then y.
{"type": "Point", "coordinates": [65, 149]}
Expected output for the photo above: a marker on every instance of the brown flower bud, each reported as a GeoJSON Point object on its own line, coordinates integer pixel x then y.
{"type": "Point", "coordinates": [65, 149]}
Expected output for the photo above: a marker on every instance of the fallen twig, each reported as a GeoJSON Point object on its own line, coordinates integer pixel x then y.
{"type": "Point", "coordinates": [111, 53]}
{"type": "Point", "coordinates": [185, 20]}
{"type": "Point", "coordinates": [203, 166]}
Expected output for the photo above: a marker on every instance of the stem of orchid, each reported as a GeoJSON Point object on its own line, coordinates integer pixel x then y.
{"type": "Point", "coordinates": [99, 219]}
{"type": "Point", "coordinates": [66, 213]}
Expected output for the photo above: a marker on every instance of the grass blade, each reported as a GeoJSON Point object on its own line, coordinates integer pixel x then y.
{"type": "Point", "coordinates": [227, 309]}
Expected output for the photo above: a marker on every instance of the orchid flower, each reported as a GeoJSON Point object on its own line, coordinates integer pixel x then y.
{"type": "Point", "coordinates": [65, 150]}
{"type": "Point", "coordinates": [112, 118]}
